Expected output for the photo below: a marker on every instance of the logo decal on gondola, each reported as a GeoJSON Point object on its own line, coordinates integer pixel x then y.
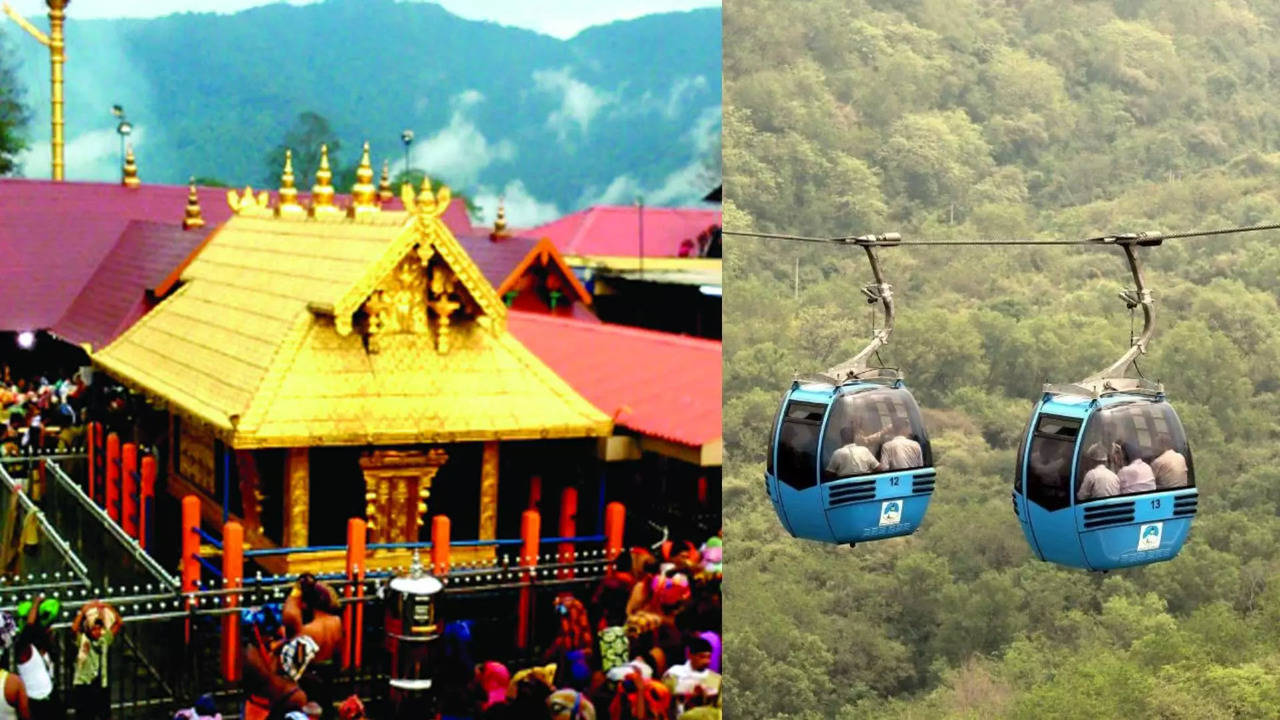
{"type": "Point", "coordinates": [1149, 536]}
{"type": "Point", "coordinates": [890, 512]}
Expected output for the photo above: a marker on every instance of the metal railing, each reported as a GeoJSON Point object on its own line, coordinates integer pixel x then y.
{"type": "Point", "coordinates": [68, 497]}
{"type": "Point", "coordinates": [11, 488]}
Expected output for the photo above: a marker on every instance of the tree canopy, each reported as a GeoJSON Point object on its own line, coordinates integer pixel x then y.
{"type": "Point", "coordinates": [949, 119]}
{"type": "Point", "coordinates": [14, 115]}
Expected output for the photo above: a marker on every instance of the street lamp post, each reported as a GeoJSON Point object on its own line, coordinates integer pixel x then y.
{"type": "Point", "coordinates": [123, 128]}
{"type": "Point", "coordinates": [406, 137]}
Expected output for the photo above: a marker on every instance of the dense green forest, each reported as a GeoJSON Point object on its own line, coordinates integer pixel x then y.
{"type": "Point", "coordinates": [550, 122]}
{"type": "Point", "coordinates": [1024, 118]}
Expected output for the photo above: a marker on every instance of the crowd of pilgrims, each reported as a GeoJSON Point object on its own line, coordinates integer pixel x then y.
{"type": "Point", "coordinates": [38, 412]}
{"type": "Point", "coordinates": [644, 646]}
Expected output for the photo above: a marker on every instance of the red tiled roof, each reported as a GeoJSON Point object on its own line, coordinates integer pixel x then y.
{"type": "Point", "coordinates": [497, 259]}
{"type": "Point", "coordinates": [144, 258]}
{"type": "Point", "coordinates": [615, 230]}
{"type": "Point", "coordinates": [500, 260]}
{"type": "Point", "coordinates": [54, 236]}
{"type": "Point", "coordinates": [658, 384]}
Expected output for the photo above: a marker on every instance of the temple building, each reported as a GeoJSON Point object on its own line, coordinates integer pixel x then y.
{"type": "Point", "coordinates": [320, 362]}
{"type": "Point", "coordinates": [528, 273]}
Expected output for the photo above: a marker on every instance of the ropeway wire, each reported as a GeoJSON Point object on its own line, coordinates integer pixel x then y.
{"type": "Point", "coordinates": [1106, 239]}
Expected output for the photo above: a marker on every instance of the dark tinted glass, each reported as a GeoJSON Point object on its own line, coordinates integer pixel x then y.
{"type": "Point", "coordinates": [1144, 436]}
{"type": "Point", "coordinates": [798, 444]}
{"type": "Point", "coordinates": [773, 437]}
{"type": "Point", "coordinates": [1049, 463]}
{"type": "Point", "coordinates": [870, 419]}
{"type": "Point", "coordinates": [1022, 446]}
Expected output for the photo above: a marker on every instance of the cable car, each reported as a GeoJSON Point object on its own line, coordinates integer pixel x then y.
{"type": "Point", "coordinates": [849, 459]}
{"type": "Point", "coordinates": [1105, 478]}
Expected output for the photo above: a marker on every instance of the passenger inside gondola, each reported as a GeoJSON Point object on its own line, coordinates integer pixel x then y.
{"type": "Point", "coordinates": [1145, 448]}
{"type": "Point", "coordinates": [1136, 476]}
{"type": "Point", "coordinates": [901, 452]}
{"type": "Point", "coordinates": [853, 457]}
{"type": "Point", "coordinates": [1170, 467]}
{"type": "Point", "coordinates": [1100, 480]}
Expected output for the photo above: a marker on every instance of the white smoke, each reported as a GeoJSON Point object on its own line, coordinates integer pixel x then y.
{"type": "Point", "coordinates": [522, 209]}
{"type": "Point", "coordinates": [579, 102]}
{"type": "Point", "coordinates": [459, 152]}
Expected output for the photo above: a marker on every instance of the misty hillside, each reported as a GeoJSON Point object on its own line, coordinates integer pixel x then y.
{"type": "Point", "coordinates": [626, 109]}
{"type": "Point", "coordinates": [1040, 119]}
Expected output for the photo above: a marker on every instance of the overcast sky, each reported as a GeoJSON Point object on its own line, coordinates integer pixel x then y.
{"type": "Point", "coordinates": [561, 18]}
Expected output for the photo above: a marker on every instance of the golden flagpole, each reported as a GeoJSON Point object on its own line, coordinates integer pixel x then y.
{"type": "Point", "coordinates": [57, 55]}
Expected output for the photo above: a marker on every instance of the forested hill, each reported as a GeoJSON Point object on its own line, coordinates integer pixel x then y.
{"type": "Point", "coordinates": [620, 110]}
{"type": "Point", "coordinates": [970, 119]}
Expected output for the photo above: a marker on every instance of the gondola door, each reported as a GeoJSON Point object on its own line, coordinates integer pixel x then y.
{"type": "Point", "coordinates": [1049, 467]}
{"type": "Point", "coordinates": [794, 489]}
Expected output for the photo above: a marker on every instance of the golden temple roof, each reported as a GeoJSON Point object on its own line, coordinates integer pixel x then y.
{"type": "Point", "coordinates": [376, 330]}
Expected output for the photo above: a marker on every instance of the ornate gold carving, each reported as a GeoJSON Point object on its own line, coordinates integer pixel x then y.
{"type": "Point", "coordinates": [407, 303]}
{"type": "Point", "coordinates": [426, 205]}
{"type": "Point", "coordinates": [195, 459]}
{"type": "Point", "coordinates": [322, 206]}
{"type": "Point", "coordinates": [384, 183]}
{"type": "Point", "coordinates": [444, 303]}
{"type": "Point", "coordinates": [288, 206]}
{"type": "Point", "coordinates": [397, 485]}
{"type": "Point", "coordinates": [193, 218]}
{"type": "Point", "coordinates": [298, 497]}
{"type": "Point", "coordinates": [489, 491]}
{"type": "Point", "coordinates": [129, 173]}
{"type": "Point", "coordinates": [247, 204]}
{"type": "Point", "coordinates": [364, 196]}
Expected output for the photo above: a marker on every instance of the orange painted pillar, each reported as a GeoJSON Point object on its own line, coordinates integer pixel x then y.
{"type": "Point", "coordinates": [129, 489]}
{"type": "Point", "coordinates": [355, 573]}
{"type": "Point", "coordinates": [615, 517]}
{"type": "Point", "coordinates": [530, 533]}
{"type": "Point", "coordinates": [568, 528]}
{"type": "Point", "coordinates": [440, 549]}
{"type": "Point", "coordinates": [112, 496]}
{"type": "Point", "coordinates": [146, 498]}
{"type": "Point", "coordinates": [232, 578]}
{"type": "Point", "coordinates": [359, 530]}
{"type": "Point", "coordinates": [94, 431]}
{"type": "Point", "coordinates": [190, 549]}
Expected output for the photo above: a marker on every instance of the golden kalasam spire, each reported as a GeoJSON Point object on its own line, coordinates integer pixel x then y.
{"type": "Point", "coordinates": [129, 173]}
{"type": "Point", "coordinates": [500, 224]}
{"type": "Point", "coordinates": [364, 196]}
{"type": "Point", "coordinates": [322, 191]}
{"type": "Point", "coordinates": [426, 199]}
{"type": "Point", "coordinates": [384, 185]}
{"type": "Point", "coordinates": [193, 218]}
{"type": "Point", "coordinates": [288, 205]}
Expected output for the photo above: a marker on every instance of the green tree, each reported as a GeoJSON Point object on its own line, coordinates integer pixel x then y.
{"type": "Point", "coordinates": [14, 115]}
{"type": "Point", "coordinates": [304, 138]}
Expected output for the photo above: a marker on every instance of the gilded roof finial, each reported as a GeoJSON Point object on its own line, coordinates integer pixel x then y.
{"type": "Point", "coordinates": [384, 185]}
{"type": "Point", "coordinates": [425, 195]}
{"type": "Point", "coordinates": [288, 205]}
{"type": "Point", "coordinates": [500, 224]}
{"type": "Point", "coordinates": [193, 218]}
{"type": "Point", "coordinates": [364, 196]}
{"type": "Point", "coordinates": [322, 191]}
{"type": "Point", "coordinates": [129, 177]}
